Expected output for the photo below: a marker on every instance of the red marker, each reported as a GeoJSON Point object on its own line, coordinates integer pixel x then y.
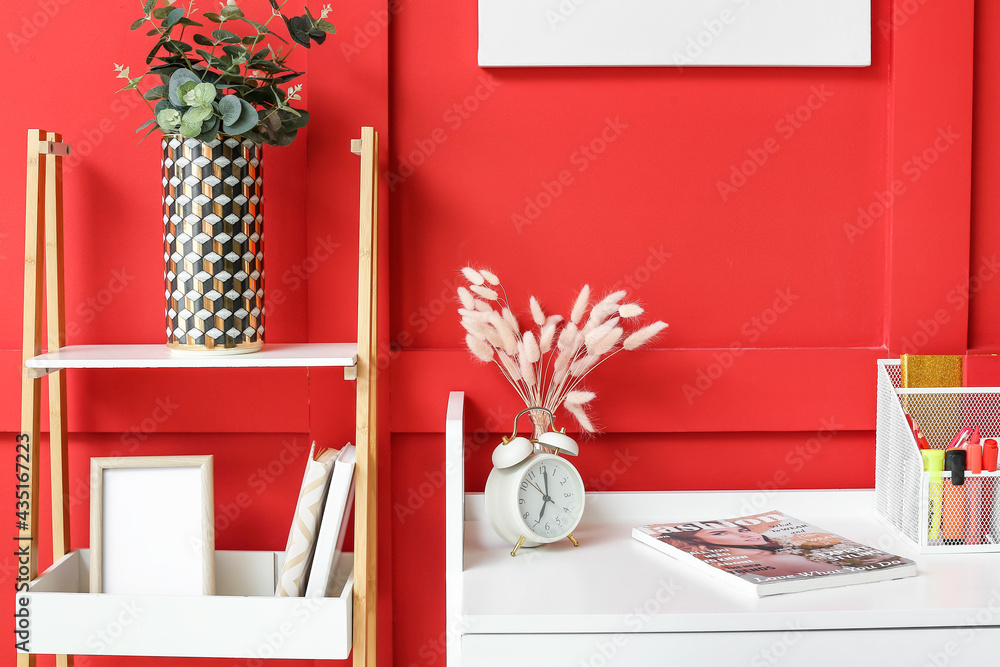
{"type": "Point", "coordinates": [990, 451]}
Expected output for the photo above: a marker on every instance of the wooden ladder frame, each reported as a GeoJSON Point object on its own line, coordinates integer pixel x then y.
{"type": "Point", "coordinates": [43, 268]}
{"type": "Point", "coordinates": [366, 475]}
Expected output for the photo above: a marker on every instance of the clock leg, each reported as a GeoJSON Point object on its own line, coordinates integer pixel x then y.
{"type": "Point", "coordinates": [573, 540]}
{"type": "Point", "coordinates": [517, 546]}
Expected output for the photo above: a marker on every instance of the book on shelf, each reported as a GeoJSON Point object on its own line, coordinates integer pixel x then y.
{"type": "Point", "coordinates": [305, 521]}
{"type": "Point", "coordinates": [772, 553]}
{"type": "Point", "coordinates": [322, 580]}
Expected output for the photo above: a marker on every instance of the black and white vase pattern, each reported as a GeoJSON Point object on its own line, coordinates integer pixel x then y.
{"type": "Point", "coordinates": [213, 244]}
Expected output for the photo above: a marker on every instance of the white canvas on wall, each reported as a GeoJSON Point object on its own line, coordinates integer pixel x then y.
{"type": "Point", "coordinates": [684, 33]}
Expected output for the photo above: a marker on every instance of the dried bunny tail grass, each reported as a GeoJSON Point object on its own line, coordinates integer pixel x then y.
{"type": "Point", "coordinates": [580, 415]}
{"type": "Point", "coordinates": [489, 276]}
{"type": "Point", "coordinates": [643, 335]}
{"type": "Point", "coordinates": [479, 347]}
{"type": "Point", "coordinates": [493, 336]}
{"type": "Point", "coordinates": [473, 276]}
{"type": "Point", "coordinates": [606, 343]}
{"type": "Point", "coordinates": [465, 296]}
{"type": "Point", "coordinates": [628, 310]}
{"type": "Point", "coordinates": [508, 336]}
{"type": "Point", "coordinates": [567, 336]}
{"type": "Point", "coordinates": [485, 292]}
{"type": "Point", "coordinates": [511, 321]}
{"type": "Point", "coordinates": [591, 338]}
{"type": "Point", "coordinates": [536, 311]}
{"type": "Point", "coordinates": [598, 314]}
{"type": "Point", "coordinates": [583, 364]}
{"type": "Point", "coordinates": [531, 351]}
{"type": "Point", "coordinates": [481, 330]}
{"type": "Point", "coordinates": [580, 306]}
{"type": "Point", "coordinates": [473, 314]}
{"type": "Point", "coordinates": [579, 397]}
{"type": "Point", "coordinates": [554, 319]}
{"type": "Point", "coordinates": [509, 365]}
{"type": "Point", "coordinates": [546, 336]}
{"type": "Point", "coordinates": [614, 297]}
{"type": "Point", "coordinates": [483, 307]}
{"type": "Point", "coordinates": [526, 367]}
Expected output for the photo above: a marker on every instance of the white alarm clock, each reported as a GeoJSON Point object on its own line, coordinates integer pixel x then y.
{"type": "Point", "coordinates": [533, 495]}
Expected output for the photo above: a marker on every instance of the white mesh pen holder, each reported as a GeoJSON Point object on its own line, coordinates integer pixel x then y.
{"type": "Point", "coordinates": [929, 510]}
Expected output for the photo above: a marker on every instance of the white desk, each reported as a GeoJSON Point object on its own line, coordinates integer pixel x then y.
{"type": "Point", "coordinates": [614, 601]}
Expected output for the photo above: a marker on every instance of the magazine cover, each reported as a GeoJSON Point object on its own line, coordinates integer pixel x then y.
{"type": "Point", "coordinates": [772, 553]}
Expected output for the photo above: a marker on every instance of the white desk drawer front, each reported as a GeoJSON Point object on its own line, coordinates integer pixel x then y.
{"type": "Point", "coordinates": [952, 647]}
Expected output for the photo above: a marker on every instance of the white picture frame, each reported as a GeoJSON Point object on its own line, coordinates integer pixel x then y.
{"type": "Point", "coordinates": [152, 525]}
{"type": "Point", "coordinates": [680, 33]}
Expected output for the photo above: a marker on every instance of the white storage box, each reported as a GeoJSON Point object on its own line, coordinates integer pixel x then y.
{"type": "Point", "coordinates": [243, 620]}
{"type": "Point", "coordinates": [934, 515]}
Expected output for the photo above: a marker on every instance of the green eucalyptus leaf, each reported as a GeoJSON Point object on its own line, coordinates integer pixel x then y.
{"type": "Point", "coordinates": [298, 28]}
{"type": "Point", "coordinates": [160, 12]}
{"type": "Point", "coordinates": [196, 115]}
{"type": "Point", "coordinates": [186, 21]}
{"type": "Point", "coordinates": [146, 6]}
{"type": "Point", "coordinates": [326, 26]}
{"type": "Point", "coordinates": [201, 39]}
{"type": "Point", "coordinates": [247, 120]}
{"type": "Point", "coordinates": [173, 17]}
{"type": "Point", "coordinates": [137, 23]}
{"type": "Point", "coordinates": [297, 120]}
{"type": "Point", "coordinates": [156, 92]}
{"type": "Point", "coordinates": [160, 42]}
{"type": "Point", "coordinates": [285, 138]}
{"type": "Point", "coordinates": [192, 129]}
{"type": "Point", "coordinates": [254, 136]}
{"type": "Point", "coordinates": [168, 119]}
{"type": "Point", "coordinates": [154, 31]}
{"type": "Point", "coordinates": [148, 132]}
{"type": "Point", "coordinates": [225, 36]}
{"type": "Point", "coordinates": [179, 77]}
{"type": "Point", "coordinates": [161, 105]}
{"type": "Point", "coordinates": [230, 108]}
{"type": "Point", "coordinates": [209, 129]}
{"type": "Point", "coordinates": [236, 51]}
{"type": "Point", "coordinates": [213, 17]}
{"type": "Point", "coordinates": [184, 89]}
{"type": "Point", "coordinates": [202, 95]}
{"type": "Point", "coordinates": [232, 12]}
{"type": "Point", "coordinates": [173, 46]}
{"type": "Point", "coordinates": [146, 124]}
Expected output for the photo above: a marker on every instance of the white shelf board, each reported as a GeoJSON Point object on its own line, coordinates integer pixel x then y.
{"type": "Point", "coordinates": [614, 584]}
{"type": "Point", "coordinates": [280, 355]}
{"type": "Point", "coordinates": [243, 620]}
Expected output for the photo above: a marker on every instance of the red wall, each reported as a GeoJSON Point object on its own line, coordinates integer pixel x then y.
{"type": "Point", "coordinates": [471, 160]}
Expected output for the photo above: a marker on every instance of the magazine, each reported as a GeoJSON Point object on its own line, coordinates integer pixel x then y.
{"type": "Point", "coordinates": [771, 553]}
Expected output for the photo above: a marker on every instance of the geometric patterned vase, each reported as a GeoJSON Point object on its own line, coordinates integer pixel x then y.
{"type": "Point", "coordinates": [213, 244]}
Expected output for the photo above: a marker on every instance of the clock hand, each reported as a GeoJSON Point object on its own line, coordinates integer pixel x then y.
{"type": "Point", "coordinates": [541, 492]}
{"type": "Point", "coordinates": [545, 476]}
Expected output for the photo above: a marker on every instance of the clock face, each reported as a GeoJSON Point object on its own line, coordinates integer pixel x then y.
{"type": "Point", "coordinates": [550, 497]}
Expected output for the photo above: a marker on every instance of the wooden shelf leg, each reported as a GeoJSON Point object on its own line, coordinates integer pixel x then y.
{"type": "Point", "coordinates": [366, 489]}
{"type": "Point", "coordinates": [31, 400]}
